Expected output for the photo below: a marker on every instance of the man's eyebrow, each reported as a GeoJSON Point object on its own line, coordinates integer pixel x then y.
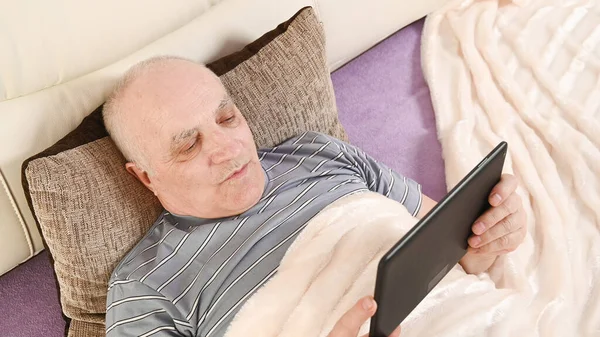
{"type": "Point", "coordinates": [180, 138]}
{"type": "Point", "coordinates": [226, 100]}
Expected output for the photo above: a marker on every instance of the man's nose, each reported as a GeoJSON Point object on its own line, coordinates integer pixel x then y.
{"type": "Point", "coordinates": [224, 148]}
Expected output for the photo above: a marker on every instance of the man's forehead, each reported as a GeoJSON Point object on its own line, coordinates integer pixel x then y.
{"type": "Point", "coordinates": [176, 79]}
{"type": "Point", "coordinates": [172, 97]}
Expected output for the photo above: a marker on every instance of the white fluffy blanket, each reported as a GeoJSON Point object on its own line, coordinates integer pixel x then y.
{"type": "Point", "coordinates": [333, 263]}
{"type": "Point", "coordinates": [527, 72]}
{"type": "Point", "coordinates": [329, 266]}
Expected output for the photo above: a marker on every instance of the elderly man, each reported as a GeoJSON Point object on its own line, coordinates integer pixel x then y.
{"type": "Point", "coordinates": [231, 211]}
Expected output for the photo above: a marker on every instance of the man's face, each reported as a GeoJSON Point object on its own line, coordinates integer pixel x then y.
{"type": "Point", "coordinates": [200, 151]}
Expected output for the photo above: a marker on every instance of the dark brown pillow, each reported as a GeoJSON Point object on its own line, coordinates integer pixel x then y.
{"type": "Point", "coordinates": [91, 212]}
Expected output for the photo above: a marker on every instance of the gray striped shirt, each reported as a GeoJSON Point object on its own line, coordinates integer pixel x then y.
{"type": "Point", "coordinates": [189, 276]}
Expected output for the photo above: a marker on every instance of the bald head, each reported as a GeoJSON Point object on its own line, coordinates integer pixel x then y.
{"type": "Point", "coordinates": [145, 91]}
{"type": "Point", "coordinates": [184, 138]}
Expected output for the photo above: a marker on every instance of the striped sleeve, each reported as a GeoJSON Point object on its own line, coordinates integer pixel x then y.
{"type": "Point", "coordinates": [382, 179]}
{"type": "Point", "coordinates": [134, 309]}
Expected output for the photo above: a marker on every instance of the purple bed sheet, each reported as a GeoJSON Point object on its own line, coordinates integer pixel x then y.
{"type": "Point", "coordinates": [383, 103]}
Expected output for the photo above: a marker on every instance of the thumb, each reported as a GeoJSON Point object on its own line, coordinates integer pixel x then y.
{"type": "Point", "coordinates": [349, 324]}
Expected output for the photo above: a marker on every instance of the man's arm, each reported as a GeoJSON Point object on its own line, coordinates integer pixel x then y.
{"type": "Point", "coordinates": [380, 178]}
{"type": "Point", "coordinates": [426, 205]}
{"type": "Point", "coordinates": [134, 309]}
{"type": "Point", "coordinates": [499, 231]}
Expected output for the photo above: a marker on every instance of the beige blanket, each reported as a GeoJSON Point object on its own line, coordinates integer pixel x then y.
{"type": "Point", "coordinates": [333, 263]}
{"type": "Point", "coordinates": [527, 72]}
{"type": "Point", "coordinates": [327, 269]}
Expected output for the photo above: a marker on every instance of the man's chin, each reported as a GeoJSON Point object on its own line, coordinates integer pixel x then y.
{"type": "Point", "coordinates": [248, 190]}
{"type": "Point", "coordinates": [248, 198]}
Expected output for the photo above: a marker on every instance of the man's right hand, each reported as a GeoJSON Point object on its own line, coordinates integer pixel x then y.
{"type": "Point", "coordinates": [350, 323]}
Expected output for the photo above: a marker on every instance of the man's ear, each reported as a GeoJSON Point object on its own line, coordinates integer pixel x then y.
{"type": "Point", "coordinates": [140, 175]}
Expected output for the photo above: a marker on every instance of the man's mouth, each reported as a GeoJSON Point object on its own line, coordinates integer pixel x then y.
{"type": "Point", "coordinates": [238, 173]}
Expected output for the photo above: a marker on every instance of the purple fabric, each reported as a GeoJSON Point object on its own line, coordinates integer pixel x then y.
{"type": "Point", "coordinates": [384, 105]}
{"type": "Point", "coordinates": [29, 301]}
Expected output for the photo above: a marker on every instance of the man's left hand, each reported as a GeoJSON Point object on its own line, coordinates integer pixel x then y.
{"type": "Point", "coordinates": [500, 230]}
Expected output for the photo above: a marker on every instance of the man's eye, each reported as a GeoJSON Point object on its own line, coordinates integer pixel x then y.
{"type": "Point", "coordinates": [229, 120]}
{"type": "Point", "coordinates": [190, 148]}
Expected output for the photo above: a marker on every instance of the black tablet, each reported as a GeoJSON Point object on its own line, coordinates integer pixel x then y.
{"type": "Point", "coordinates": [426, 253]}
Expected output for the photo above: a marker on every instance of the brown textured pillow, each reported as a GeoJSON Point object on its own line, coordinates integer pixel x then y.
{"type": "Point", "coordinates": [285, 88]}
{"type": "Point", "coordinates": [91, 212]}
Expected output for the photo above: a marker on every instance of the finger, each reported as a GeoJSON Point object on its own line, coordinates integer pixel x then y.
{"type": "Point", "coordinates": [512, 223]}
{"type": "Point", "coordinates": [349, 324]}
{"type": "Point", "coordinates": [507, 243]}
{"type": "Point", "coordinates": [507, 186]}
{"type": "Point", "coordinates": [496, 214]}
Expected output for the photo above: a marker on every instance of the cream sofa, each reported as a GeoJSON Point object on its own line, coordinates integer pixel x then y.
{"type": "Point", "coordinates": [59, 60]}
